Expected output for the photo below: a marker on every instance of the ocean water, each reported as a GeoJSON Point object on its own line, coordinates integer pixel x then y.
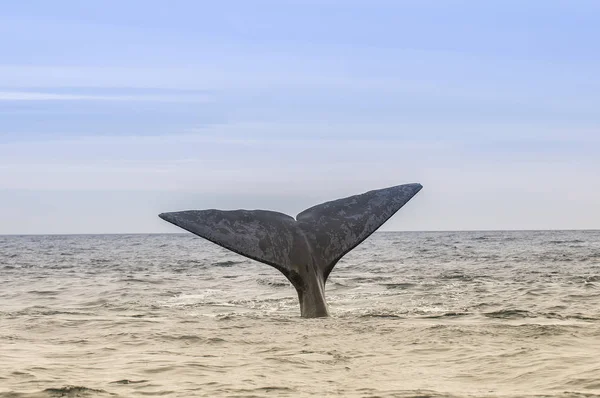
{"type": "Point", "coordinates": [427, 314]}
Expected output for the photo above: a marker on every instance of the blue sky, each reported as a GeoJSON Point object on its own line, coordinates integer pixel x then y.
{"type": "Point", "coordinates": [112, 112]}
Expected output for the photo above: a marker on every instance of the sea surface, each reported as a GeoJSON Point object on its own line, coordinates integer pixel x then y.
{"type": "Point", "coordinates": [414, 314]}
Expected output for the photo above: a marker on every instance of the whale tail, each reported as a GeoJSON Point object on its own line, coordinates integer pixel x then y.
{"type": "Point", "coordinates": [305, 249]}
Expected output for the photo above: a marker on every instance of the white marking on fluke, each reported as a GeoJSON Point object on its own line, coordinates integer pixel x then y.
{"type": "Point", "coordinates": [304, 249]}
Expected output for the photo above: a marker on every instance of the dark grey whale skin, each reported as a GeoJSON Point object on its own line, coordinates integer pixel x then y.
{"type": "Point", "coordinates": [304, 249]}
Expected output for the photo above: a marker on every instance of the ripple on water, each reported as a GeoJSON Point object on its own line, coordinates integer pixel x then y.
{"type": "Point", "coordinates": [474, 314]}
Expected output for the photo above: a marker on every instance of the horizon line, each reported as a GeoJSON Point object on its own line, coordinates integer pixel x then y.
{"type": "Point", "coordinates": [395, 231]}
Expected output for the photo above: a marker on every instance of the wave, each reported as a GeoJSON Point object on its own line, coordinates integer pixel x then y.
{"type": "Point", "coordinates": [448, 315]}
{"type": "Point", "coordinates": [458, 276]}
{"type": "Point", "coordinates": [279, 282]}
{"type": "Point", "coordinates": [143, 281]}
{"type": "Point", "coordinates": [402, 286]}
{"type": "Point", "coordinates": [127, 381]}
{"type": "Point", "coordinates": [521, 314]}
{"type": "Point", "coordinates": [72, 390]}
{"type": "Point", "coordinates": [227, 263]}
{"type": "Point", "coordinates": [43, 311]}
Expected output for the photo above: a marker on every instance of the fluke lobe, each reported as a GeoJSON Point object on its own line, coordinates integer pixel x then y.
{"type": "Point", "coordinates": [304, 249]}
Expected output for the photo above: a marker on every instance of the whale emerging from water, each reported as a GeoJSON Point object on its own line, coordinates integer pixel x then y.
{"type": "Point", "coordinates": [304, 249]}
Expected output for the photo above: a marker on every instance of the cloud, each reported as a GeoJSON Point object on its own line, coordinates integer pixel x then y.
{"type": "Point", "coordinates": [45, 96]}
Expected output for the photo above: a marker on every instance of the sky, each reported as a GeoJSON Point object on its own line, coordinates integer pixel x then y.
{"type": "Point", "coordinates": [112, 112]}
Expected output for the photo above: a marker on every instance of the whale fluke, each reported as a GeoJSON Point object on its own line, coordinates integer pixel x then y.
{"type": "Point", "coordinates": [305, 249]}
